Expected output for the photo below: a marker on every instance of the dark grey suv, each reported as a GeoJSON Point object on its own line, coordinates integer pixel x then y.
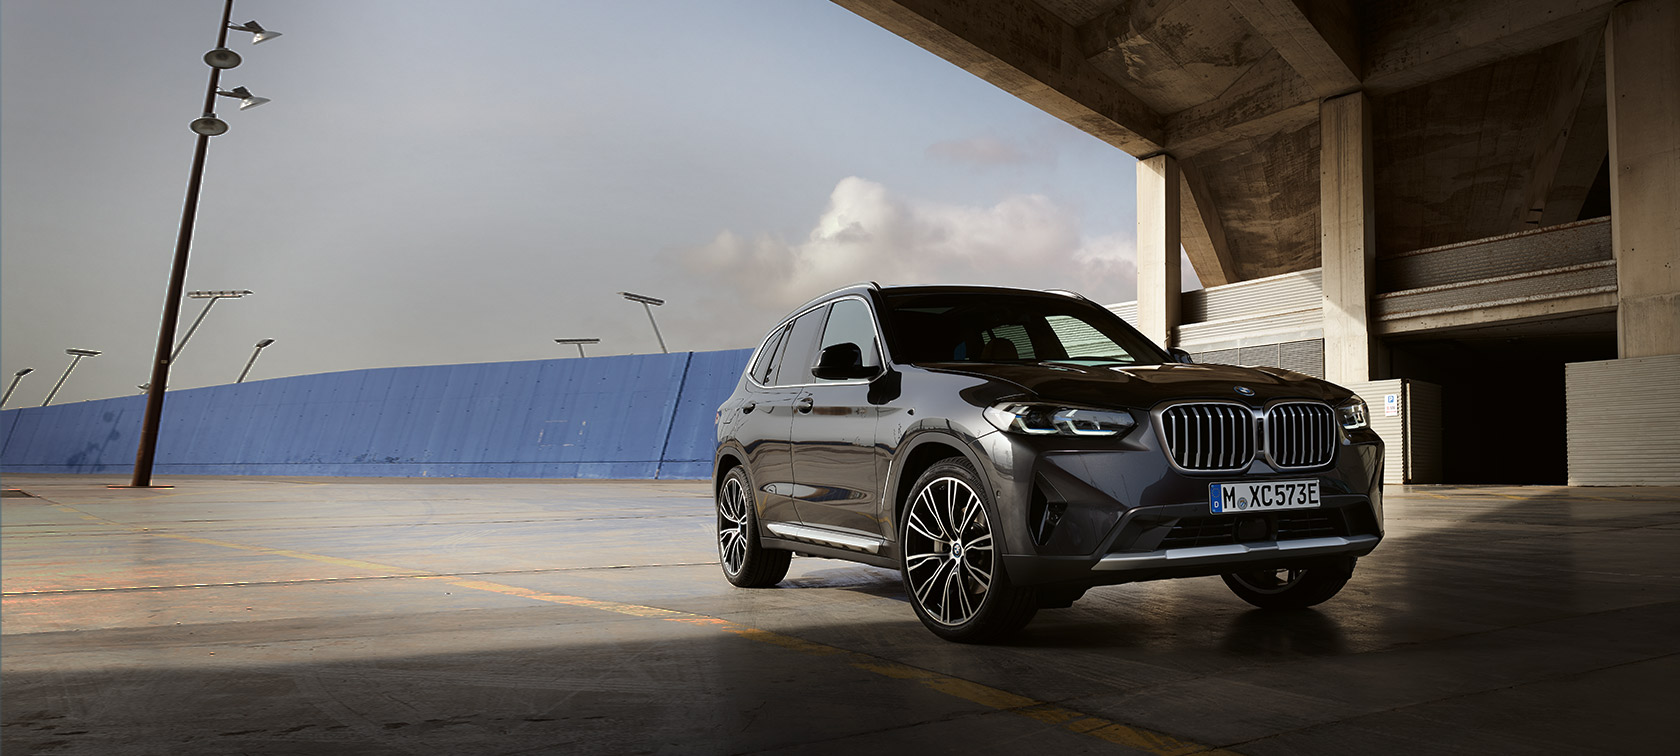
{"type": "Point", "coordinates": [1007, 449]}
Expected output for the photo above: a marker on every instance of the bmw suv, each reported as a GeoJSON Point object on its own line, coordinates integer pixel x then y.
{"type": "Point", "coordinates": [1007, 449]}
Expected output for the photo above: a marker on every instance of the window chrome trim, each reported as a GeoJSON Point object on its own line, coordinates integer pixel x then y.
{"type": "Point", "coordinates": [874, 321]}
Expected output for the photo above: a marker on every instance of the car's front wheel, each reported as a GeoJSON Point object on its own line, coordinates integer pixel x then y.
{"type": "Point", "coordinates": [951, 561]}
{"type": "Point", "coordinates": [745, 561]}
{"type": "Point", "coordinates": [1291, 587]}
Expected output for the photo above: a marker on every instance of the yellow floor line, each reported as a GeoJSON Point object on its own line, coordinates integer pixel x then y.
{"type": "Point", "coordinates": [1138, 738]}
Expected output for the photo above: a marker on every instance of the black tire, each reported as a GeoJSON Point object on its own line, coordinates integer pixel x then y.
{"type": "Point", "coordinates": [952, 570]}
{"type": "Point", "coordinates": [746, 563]}
{"type": "Point", "coordinates": [1293, 587]}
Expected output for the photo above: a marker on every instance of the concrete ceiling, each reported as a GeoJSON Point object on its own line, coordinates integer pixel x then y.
{"type": "Point", "coordinates": [1489, 115]}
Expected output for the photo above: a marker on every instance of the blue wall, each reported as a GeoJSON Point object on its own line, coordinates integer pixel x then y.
{"type": "Point", "coordinates": [631, 416]}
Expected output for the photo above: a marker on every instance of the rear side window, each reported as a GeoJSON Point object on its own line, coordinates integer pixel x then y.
{"type": "Point", "coordinates": [765, 366]}
{"type": "Point", "coordinates": [794, 367]}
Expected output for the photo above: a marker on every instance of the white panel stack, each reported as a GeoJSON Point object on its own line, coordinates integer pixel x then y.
{"type": "Point", "coordinates": [1407, 414]}
{"type": "Point", "coordinates": [1624, 421]}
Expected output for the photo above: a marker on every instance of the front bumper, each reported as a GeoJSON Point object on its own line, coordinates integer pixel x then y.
{"type": "Point", "coordinates": [1123, 513]}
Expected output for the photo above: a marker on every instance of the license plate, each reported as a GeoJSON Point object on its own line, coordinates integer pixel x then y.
{"type": "Point", "coordinates": [1266, 496]}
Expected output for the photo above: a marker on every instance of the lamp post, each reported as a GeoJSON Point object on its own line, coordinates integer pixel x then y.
{"type": "Point", "coordinates": [78, 354]}
{"type": "Point", "coordinates": [648, 303]}
{"type": "Point", "coordinates": [212, 296]}
{"type": "Point", "coordinates": [578, 343]}
{"type": "Point", "coordinates": [18, 376]}
{"type": "Point", "coordinates": [261, 345]}
{"type": "Point", "coordinates": [205, 126]}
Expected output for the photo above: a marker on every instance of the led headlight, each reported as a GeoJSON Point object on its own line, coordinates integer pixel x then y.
{"type": "Point", "coordinates": [1057, 420]}
{"type": "Point", "coordinates": [1352, 414]}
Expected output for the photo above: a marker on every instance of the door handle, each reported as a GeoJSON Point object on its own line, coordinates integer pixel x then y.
{"type": "Point", "coordinates": [748, 407]}
{"type": "Point", "coordinates": [805, 404]}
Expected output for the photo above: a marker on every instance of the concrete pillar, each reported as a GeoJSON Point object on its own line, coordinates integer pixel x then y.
{"type": "Point", "coordinates": [1348, 244]}
{"type": "Point", "coordinates": [1159, 285]}
{"type": "Point", "coordinates": [1642, 66]}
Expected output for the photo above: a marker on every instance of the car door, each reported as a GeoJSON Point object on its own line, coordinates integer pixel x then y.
{"type": "Point", "coordinates": [764, 420]}
{"type": "Point", "coordinates": [834, 452]}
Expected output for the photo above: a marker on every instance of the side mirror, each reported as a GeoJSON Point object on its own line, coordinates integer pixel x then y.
{"type": "Point", "coordinates": [842, 362]}
{"type": "Point", "coordinates": [1179, 355]}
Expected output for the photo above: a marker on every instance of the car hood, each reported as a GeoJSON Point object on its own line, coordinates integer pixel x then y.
{"type": "Point", "coordinates": [1148, 385]}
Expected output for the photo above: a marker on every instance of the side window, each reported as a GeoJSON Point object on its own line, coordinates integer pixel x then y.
{"type": "Point", "coordinates": [765, 367]}
{"type": "Point", "coordinates": [850, 321]}
{"type": "Point", "coordinates": [800, 350]}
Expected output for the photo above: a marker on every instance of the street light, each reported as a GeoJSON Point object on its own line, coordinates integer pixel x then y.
{"type": "Point", "coordinates": [247, 371]}
{"type": "Point", "coordinates": [78, 354]}
{"type": "Point", "coordinates": [205, 126]}
{"type": "Point", "coordinates": [648, 303]}
{"type": "Point", "coordinates": [18, 376]}
{"type": "Point", "coordinates": [212, 296]}
{"type": "Point", "coordinates": [578, 343]}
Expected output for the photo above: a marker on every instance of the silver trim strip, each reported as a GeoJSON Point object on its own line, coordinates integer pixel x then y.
{"type": "Point", "coordinates": [880, 343]}
{"type": "Point", "coordinates": [861, 543]}
{"type": "Point", "coordinates": [1237, 552]}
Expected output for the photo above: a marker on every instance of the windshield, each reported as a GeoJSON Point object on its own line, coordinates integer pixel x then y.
{"type": "Point", "coordinates": [970, 326]}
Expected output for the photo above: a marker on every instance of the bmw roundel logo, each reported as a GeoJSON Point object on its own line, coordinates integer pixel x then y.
{"type": "Point", "coordinates": [1245, 391]}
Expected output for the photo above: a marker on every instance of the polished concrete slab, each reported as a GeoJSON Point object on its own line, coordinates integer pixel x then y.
{"type": "Point", "coordinates": [280, 616]}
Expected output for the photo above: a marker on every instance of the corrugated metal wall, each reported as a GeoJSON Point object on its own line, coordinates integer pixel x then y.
{"type": "Point", "coordinates": [632, 416]}
{"type": "Point", "coordinates": [1411, 436]}
{"type": "Point", "coordinates": [1624, 421]}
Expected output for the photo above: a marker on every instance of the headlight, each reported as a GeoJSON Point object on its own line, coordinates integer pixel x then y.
{"type": "Point", "coordinates": [1051, 419]}
{"type": "Point", "coordinates": [1352, 414]}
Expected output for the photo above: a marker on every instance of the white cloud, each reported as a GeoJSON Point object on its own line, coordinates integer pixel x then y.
{"type": "Point", "coordinates": [869, 233]}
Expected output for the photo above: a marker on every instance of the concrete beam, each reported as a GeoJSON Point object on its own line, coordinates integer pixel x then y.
{"type": "Point", "coordinates": [1578, 57]}
{"type": "Point", "coordinates": [1643, 72]}
{"type": "Point", "coordinates": [1268, 99]}
{"type": "Point", "coordinates": [1159, 283]}
{"type": "Point", "coordinates": [1319, 38]}
{"type": "Point", "coordinates": [1348, 246]}
{"type": "Point", "coordinates": [1201, 231]}
{"type": "Point", "coordinates": [1411, 42]}
{"type": "Point", "coordinates": [1585, 154]}
{"type": "Point", "coordinates": [1027, 51]}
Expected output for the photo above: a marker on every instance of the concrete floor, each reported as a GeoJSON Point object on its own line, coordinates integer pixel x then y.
{"type": "Point", "coordinates": [272, 616]}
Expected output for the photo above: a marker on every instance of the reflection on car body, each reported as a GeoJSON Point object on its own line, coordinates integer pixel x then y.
{"type": "Point", "coordinates": [1006, 450]}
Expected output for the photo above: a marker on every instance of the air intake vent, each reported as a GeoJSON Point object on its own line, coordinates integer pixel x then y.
{"type": "Point", "coordinates": [1209, 436]}
{"type": "Point", "coordinates": [1300, 434]}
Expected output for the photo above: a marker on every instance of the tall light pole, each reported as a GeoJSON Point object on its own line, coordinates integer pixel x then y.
{"type": "Point", "coordinates": [18, 376]}
{"type": "Point", "coordinates": [578, 343]}
{"type": "Point", "coordinates": [261, 345]}
{"type": "Point", "coordinates": [205, 126]}
{"type": "Point", "coordinates": [78, 354]}
{"type": "Point", "coordinates": [648, 303]}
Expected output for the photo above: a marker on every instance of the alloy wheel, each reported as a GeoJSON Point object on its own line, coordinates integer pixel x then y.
{"type": "Point", "coordinates": [732, 526]}
{"type": "Point", "coordinates": [949, 561]}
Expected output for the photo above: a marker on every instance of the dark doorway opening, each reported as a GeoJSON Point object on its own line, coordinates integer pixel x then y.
{"type": "Point", "coordinates": [1503, 418]}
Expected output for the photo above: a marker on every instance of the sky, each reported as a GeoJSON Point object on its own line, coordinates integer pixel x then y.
{"type": "Point", "coordinates": [440, 182]}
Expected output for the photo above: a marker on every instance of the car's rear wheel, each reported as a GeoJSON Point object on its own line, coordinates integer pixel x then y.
{"type": "Point", "coordinates": [951, 562]}
{"type": "Point", "coordinates": [1291, 587]}
{"type": "Point", "coordinates": [745, 561]}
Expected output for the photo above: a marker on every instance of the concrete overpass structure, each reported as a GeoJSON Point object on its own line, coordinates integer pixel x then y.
{"type": "Point", "coordinates": [1469, 195]}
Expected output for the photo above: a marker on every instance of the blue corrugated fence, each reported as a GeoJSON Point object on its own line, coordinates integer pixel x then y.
{"type": "Point", "coordinates": [630, 416]}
